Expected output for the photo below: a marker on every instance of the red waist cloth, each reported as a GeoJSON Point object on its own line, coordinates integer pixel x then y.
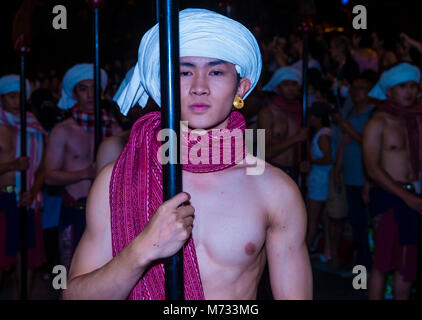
{"type": "Point", "coordinates": [136, 192]}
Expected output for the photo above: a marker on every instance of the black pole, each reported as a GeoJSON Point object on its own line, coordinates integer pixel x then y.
{"type": "Point", "coordinates": [97, 85]}
{"type": "Point", "coordinates": [304, 123]}
{"type": "Point", "coordinates": [170, 119]}
{"type": "Point", "coordinates": [23, 211]}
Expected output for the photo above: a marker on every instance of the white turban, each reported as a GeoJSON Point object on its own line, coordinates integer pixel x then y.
{"type": "Point", "coordinates": [11, 83]}
{"type": "Point", "coordinates": [202, 33]}
{"type": "Point", "coordinates": [284, 73]}
{"type": "Point", "coordinates": [403, 72]}
{"type": "Point", "coordinates": [125, 81]}
{"type": "Point", "coordinates": [72, 77]}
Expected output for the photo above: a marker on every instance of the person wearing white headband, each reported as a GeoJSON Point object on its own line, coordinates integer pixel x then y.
{"type": "Point", "coordinates": [71, 81]}
{"type": "Point", "coordinates": [281, 120]}
{"type": "Point", "coordinates": [11, 165]}
{"type": "Point", "coordinates": [403, 72]}
{"type": "Point", "coordinates": [70, 152]}
{"type": "Point", "coordinates": [233, 222]}
{"type": "Point", "coordinates": [392, 144]}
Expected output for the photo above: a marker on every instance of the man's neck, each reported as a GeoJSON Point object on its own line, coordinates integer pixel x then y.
{"type": "Point", "coordinates": [84, 109]}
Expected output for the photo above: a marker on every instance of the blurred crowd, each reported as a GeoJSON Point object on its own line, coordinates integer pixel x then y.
{"type": "Point", "coordinates": [336, 158]}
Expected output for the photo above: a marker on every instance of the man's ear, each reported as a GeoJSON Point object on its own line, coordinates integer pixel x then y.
{"type": "Point", "coordinates": [244, 86]}
{"type": "Point", "coordinates": [388, 92]}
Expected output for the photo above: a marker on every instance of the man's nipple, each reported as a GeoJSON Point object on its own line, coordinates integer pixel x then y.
{"type": "Point", "coordinates": [250, 248]}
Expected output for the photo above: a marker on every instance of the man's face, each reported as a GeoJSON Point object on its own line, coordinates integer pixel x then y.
{"type": "Point", "coordinates": [207, 89]}
{"type": "Point", "coordinates": [84, 94]}
{"type": "Point", "coordinates": [359, 91]}
{"type": "Point", "coordinates": [11, 102]}
{"type": "Point", "coordinates": [404, 93]}
{"type": "Point", "coordinates": [288, 89]}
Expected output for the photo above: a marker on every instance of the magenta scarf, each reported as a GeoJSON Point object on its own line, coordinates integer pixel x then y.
{"type": "Point", "coordinates": [136, 192]}
{"type": "Point", "coordinates": [292, 107]}
{"type": "Point", "coordinates": [412, 117]}
{"type": "Point", "coordinates": [34, 148]}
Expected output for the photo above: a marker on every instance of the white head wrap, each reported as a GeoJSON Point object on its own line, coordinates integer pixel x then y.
{"type": "Point", "coordinates": [11, 83]}
{"type": "Point", "coordinates": [403, 72]}
{"type": "Point", "coordinates": [202, 33]}
{"type": "Point", "coordinates": [284, 73]}
{"type": "Point", "coordinates": [125, 81]}
{"type": "Point", "coordinates": [72, 77]}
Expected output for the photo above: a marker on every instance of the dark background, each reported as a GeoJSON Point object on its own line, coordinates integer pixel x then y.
{"type": "Point", "coordinates": [123, 22]}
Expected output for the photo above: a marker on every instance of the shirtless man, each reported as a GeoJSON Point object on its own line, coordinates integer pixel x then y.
{"type": "Point", "coordinates": [269, 226]}
{"type": "Point", "coordinates": [392, 161]}
{"type": "Point", "coordinates": [70, 153]}
{"type": "Point", "coordinates": [282, 120]}
{"type": "Point", "coordinates": [10, 165]}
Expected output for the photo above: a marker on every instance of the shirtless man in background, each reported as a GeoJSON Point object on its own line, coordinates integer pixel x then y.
{"type": "Point", "coordinates": [282, 120]}
{"type": "Point", "coordinates": [392, 161]}
{"type": "Point", "coordinates": [70, 154]}
{"type": "Point", "coordinates": [11, 197]}
{"type": "Point", "coordinates": [270, 225]}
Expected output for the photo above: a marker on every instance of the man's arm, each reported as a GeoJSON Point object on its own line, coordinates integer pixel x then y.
{"type": "Point", "coordinates": [108, 151]}
{"type": "Point", "coordinates": [54, 161]}
{"type": "Point", "coordinates": [372, 148]}
{"type": "Point", "coordinates": [288, 259]}
{"type": "Point", "coordinates": [347, 128]}
{"type": "Point", "coordinates": [94, 273]}
{"type": "Point", "coordinates": [272, 147]}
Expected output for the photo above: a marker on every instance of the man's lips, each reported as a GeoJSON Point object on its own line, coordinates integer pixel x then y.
{"type": "Point", "coordinates": [199, 107]}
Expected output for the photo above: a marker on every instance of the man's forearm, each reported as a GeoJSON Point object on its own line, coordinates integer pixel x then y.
{"type": "Point", "coordinates": [348, 129]}
{"type": "Point", "coordinates": [64, 178]}
{"type": "Point", "coordinates": [384, 180]}
{"type": "Point", "coordinates": [113, 281]}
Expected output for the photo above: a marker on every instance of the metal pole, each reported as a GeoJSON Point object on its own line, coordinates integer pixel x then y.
{"type": "Point", "coordinates": [23, 211]}
{"type": "Point", "coordinates": [170, 119]}
{"type": "Point", "coordinates": [97, 85]}
{"type": "Point", "coordinates": [304, 145]}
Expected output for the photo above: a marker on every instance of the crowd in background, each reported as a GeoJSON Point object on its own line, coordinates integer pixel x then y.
{"type": "Point", "coordinates": [325, 158]}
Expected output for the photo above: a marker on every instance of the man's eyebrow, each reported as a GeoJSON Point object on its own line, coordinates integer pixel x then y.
{"type": "Point", "coordinates": [216, 63]}
{"type": "Point", "coordinates": [209, 64]}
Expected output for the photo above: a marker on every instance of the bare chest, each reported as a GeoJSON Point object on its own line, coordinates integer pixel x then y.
{"type": "Point", "coordinates": [395, 137]}
{"type": "Point", "coordinates": [283, 124]}
{"type": "Point", "coordinates": [230, 223]}
{"type": "Point", "coordinates": [79, 146]}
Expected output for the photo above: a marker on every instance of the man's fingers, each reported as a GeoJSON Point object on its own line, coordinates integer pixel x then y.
{"type": "Point", "coordinates": [177, 200]}
{"type": "Point", "coordinates": [185, 211]}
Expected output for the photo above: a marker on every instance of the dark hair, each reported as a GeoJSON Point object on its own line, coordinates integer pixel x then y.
{"type": "Point", "coordinates": [321, 110]}
{"type": "Point", "coordinates": [367, 75]}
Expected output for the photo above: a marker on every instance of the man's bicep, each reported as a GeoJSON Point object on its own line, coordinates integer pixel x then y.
{"type": "Point", "coordinates": [55, 152]}
{"type": "Point", "coordinates": [372, 143]}
{"type": "Point", "coordinates": [288, 260]}
{"type": "Point", "coordinates": [94, 249]}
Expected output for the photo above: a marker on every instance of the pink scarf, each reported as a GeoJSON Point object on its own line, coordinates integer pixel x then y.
{"type": "Point", "coordinates": [293, 107]}
{"type": "Point", "coordinates": [412, 117]}
{"type": "Point", "coordinates": [136, 192]}
{"type": "Point", "coordinates": [34, 147]}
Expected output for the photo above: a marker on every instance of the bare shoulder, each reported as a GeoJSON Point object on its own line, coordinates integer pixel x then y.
{"type": "Point", "coordinates": [63, 128]}
{"type": "Point", "coordinates": [281, 193]}
{"type": "Point", "coordinates": [377, 121]}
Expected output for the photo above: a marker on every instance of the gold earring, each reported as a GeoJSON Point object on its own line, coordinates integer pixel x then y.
{"type": "Point", "coordinates": [238, 103]}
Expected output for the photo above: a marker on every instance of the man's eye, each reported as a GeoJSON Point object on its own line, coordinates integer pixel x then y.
{"type": "Point", "coordinates": [184, 73]}
{"type": "Point", "coordinates": [216, 73]}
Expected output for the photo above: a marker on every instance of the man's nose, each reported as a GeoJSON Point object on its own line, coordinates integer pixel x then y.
{"type": "Point", "coordinates": [199, 85]}
{"type": "Point", "coordinates": [91, 92]}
